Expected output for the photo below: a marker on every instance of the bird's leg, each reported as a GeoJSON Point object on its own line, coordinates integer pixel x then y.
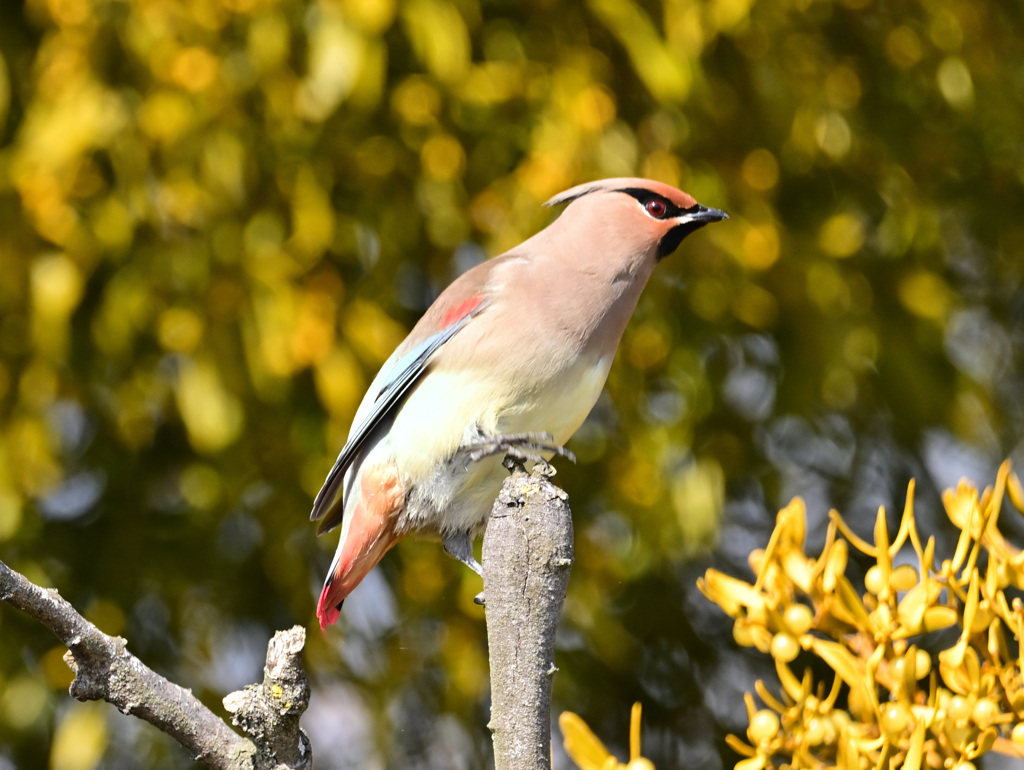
{"type": "Point", "coordinates": [459, 545]}
{"type": "Point", "coordinates": [518, 446]}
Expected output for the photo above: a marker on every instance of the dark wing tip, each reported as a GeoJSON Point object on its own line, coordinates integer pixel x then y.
{"type": "Point", "coordinates": [328, 508]}
{"type": "Point", "coordinates": [327, 523]}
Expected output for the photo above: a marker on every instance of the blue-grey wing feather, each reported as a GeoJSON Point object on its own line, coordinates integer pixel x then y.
{"type": "Point", "coordinates": [406, 372]}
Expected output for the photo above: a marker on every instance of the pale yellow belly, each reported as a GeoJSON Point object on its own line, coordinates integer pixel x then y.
{"type": "Point", "coordinates": [447, 410]}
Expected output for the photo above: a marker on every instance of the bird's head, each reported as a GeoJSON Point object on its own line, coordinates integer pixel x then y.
{"type": "Point", "coordinates": [652, 213]}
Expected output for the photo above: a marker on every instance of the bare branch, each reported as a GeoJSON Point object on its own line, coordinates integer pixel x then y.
{"type": "Point", "coordinates": [527, 556]}
{"type": "Point", "coordinates": [269, 712]}
{"type": "Point", "coordinates": [526, 561]}
{"type": "Point", "coordinates": [105, 670]}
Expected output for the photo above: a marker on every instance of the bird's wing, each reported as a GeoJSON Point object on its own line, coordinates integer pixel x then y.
{"type": "Point", "coordinates": [398, 378]}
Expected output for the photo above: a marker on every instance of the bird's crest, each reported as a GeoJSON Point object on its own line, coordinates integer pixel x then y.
{"type": "Point", "coordinates": [627, 185]}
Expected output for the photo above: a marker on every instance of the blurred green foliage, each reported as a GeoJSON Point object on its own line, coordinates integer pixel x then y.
{"type": "Point", "coordinates": [220, 216]}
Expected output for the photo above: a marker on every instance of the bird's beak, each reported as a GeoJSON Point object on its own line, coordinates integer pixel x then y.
{"type": "Point", "coordinates": [689, 221]}
{"type": "Point", "coordinates": [704, 215]}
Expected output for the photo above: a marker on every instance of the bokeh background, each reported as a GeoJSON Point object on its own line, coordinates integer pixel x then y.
{"type": "Point", "coordinates": [218, 217]}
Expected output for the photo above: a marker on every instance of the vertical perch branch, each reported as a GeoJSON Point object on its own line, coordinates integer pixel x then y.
{"type": "Point", "coordinates": [527, 556]}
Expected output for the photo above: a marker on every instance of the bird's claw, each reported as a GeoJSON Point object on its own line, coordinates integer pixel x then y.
{"type": "Point", "coordinates": [479, 599]}
{"type": "Point", "coordinates": [519, 448]}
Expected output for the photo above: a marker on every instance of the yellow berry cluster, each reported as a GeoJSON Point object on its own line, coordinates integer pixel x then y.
{"type": "Point", "coordinates": [903, 707]}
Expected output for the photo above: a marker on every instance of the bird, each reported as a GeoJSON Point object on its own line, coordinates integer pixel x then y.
{"type": "Point", "coordinates": [510, 358]}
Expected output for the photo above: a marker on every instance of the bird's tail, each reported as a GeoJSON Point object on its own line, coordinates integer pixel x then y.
{"type": "Point", "coordinates": [366, 536]}
{"type": "Point", "coordinates": [347, 571]}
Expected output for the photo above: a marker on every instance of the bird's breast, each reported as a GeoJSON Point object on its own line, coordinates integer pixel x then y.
{"type": "Point", "coordinates": [559, 403]}
{"type": "Point", "coordinates": [449, 408]}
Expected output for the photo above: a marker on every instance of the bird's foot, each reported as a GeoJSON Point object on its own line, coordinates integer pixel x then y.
{"type": "Point", "coordinates": [518, 449]}
{"type": "Point", "coordinates": [459, 545]}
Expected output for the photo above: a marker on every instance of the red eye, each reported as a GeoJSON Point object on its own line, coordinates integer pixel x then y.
{"type": "Point", "coordinates": [656, 208]}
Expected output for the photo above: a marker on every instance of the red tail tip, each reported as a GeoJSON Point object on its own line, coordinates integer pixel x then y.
{"type": "Point", "coordinates": [324, 612]}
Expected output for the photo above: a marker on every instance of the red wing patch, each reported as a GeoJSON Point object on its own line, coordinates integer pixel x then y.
{"type": "Point", "coordinates": [461, 310]}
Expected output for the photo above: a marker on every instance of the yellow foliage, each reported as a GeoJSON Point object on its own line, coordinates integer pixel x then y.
{"type": "Point", "coordinates": [200, 486]}
{"type": "Point", "coordinates": [371, 333]}
{"type": "Point", "coordinates": [900, 711]}
{"type": "Point", "coordinates": [81, 738]}
{"type": "Point", "coordinates": [10, 513]}
{"type": "Point", "coordinates": [667, 75]}
{"type": "Point", "coordinates": [761, 247]}
{"type": "Point", "coordinates": [312, 217]}
{"type": "Point", "coordinates": [589, 753]}
{"type": "Point", "coordinates": [842, 235]}
{"type": "Point", "coordinates": [212, 415]}
{"type": "Point", "coordinates": [698, 497]}
{"type": "Point", "coordinates": [955, 83]}
{"type": "Point", "coordinates": [925, 294]}
{"type": "Point", "coordinates": [180, 330]}
{"type": "Point", "coordinates": [442, 157]}
{"type": "Point", "coordinates": [340, 382]}
{"type": "Point", "coordinates": [760, 169]}
{"type": "Point", "coordinates": [22, 701]}
{"type": "Point", "coordinates": [439, 37]}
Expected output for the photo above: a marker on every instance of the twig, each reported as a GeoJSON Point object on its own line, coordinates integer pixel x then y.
{"type": "Point", "coordinates": [105, 670]}
{"type": "Point", "coordinates": [527, 555]}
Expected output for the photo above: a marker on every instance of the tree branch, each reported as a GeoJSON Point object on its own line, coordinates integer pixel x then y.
{"type": "Point", "coordinates": [105, 670]}
{"type": "Point", "coordinates": [269, 712]}
{"type": "Point", "coordinates": [527, 555]}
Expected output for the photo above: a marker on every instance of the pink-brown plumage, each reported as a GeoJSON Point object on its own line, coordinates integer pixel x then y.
{"type": "Point", "coordinates": [521, 343]}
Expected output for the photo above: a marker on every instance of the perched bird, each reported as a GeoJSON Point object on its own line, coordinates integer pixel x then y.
{"type": "Point", "coordinates": [510, 357]}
